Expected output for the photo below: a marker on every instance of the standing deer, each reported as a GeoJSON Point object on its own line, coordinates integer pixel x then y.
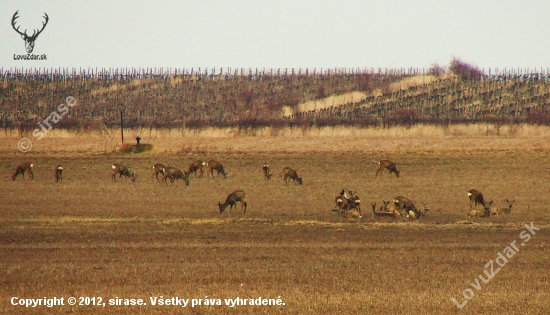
{"type": "Point", "coordinates": [355, 201]}
{"type": "Point", "coordinates": [22, 168]}
{"type": "Point", "coordinates": [348, 206]}
{"type": "Point", "coordinates": [215, 165]}
{"type": "Point", "coordinates": [173, 173]}
{"type": "Point", "coordinates": [231, 200]}
{"type": "Point", "coordinates": [342, 204]}
{"type": "Point", "coordinates": [158, 169]}
{"type": "Point", "coordinates": [476, 197]}
{"type": "Point", "coordinates": [497, 211]}
{"type": "Point", "coordinates": [122, 170]}
{"type": "Point", "coordinates": [291, 174]}
{"type": "Point", "coordinates": [267, 171]}
{"type": "Point", "coordinates": [389, 165]}
{"type": "Point", "coordinates": [58, 174]}
{"type": "Point", "coordinates": [197, 166]}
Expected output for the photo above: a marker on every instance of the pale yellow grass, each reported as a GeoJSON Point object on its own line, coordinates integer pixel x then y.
{"type": "Point", "coordinates": [419, 138]}
{"type": "Point", "coordinates": [410, 82]}
{"type": "Point", "coordinates": [333, 100]}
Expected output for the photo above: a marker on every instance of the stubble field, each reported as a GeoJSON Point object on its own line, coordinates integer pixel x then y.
{"type": "Point", "coordinates": [89, 237]}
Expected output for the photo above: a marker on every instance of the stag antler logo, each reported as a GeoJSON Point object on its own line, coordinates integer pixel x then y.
{"type": "Point", "coordinates": [29, 40]}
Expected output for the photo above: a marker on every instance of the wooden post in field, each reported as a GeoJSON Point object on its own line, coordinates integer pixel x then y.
{"type": "Point", "coordinates": [121, 127]}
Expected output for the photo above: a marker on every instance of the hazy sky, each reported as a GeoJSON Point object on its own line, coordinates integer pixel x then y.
{"type": "Point", "coordinates": [279, 34]}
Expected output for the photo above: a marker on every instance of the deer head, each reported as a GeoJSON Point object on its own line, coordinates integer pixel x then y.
{"type": "Point", "coordinates": [29, 40]}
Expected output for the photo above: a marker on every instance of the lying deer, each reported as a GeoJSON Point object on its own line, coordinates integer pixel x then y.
{"type": "Point", "coordinates": [384, 211]}
{"type": "Point", "coordinates": [419, 213]}
{"type": "Point", "coordinates": [22, 168]}
{"type": "Point", "coordinates": [291, 174]}
{"type": "Point", "coordinates": [481, 213]}
{"type": "Point", "coordinates": [497, 211]}
{"type": "Point", "coordinates": [58, 174]}
{"type": "Point", "coordinates": [232, 199]}
{"type": "Point", "coordinates": [122, 170]}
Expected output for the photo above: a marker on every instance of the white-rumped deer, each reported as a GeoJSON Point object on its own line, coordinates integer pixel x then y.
{"type": "Point", "coordinates": [158, 169]}
{"type": "Point", "coordinates": [232, 199]}
{"type": "Point", "coordinates": [122, 170]}
{"type": "Point", "coordinates": [348, 206]}
{"type": "Point", "coordinates": [215, 165]}
{"type": "Point", "coordinates": [58, 173]}
{"type": "Point", "coordinates": [173, 174]}
{"type": "Point", "coordinates": [267, 171]}
{"type": "Point", "coordinates": [197, 166]}
{"type": "Point", "coordinates": [291, 174]}
{"type": "Point", "coordinates": [389, 165]}
{"type": "Point", "coordinates": [355, 201]}
{"type": "Point", "coordinates": [497, 211]}
{"type": "Point", "coordinates": [22, 169]}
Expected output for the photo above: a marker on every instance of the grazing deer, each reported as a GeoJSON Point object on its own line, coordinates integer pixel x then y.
{"type": "Point", "coordinates": [497, 211]}
{"type": "Point", "coordinates": [291, 174]}
{"type": "Point", "coordinates": [215, 165]}
{"type": "Point", "coordinates": [404, 203]}
{"type": "Point", "coordinates": [237, 195]}
{"type": "Point", "coordinates": [22, 168]}
{"type": "Point", "coordinates": [58, 174]}
{"type": "Point", "coordinates": [173, 173]}
{"type": "Point", "coordinates": [387, 164]}
{"type": "Point", "coordinates": [122, 170]}
{"type": "Point", "coordinates": [482, 214]}
{"type": "Point", "coordinates": [476, 197]}
{"type": "Point", "coordinates": [267, 171]}
{"type": "Point", "coordinates": [384, 212]}
{"type": "Point", "coordinates": [197, 166]}
{"type": "Point", "coordinates": [158, 169]}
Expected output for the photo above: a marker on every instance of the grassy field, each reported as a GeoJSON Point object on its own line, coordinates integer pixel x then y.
{"type": "Point", "coordinates": [89, 237]}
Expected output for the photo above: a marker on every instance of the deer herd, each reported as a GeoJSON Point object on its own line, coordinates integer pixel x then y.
{"type": "Point", "coordinates": [346, 204]}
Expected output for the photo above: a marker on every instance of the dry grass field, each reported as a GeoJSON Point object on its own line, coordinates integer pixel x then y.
{"type": "Point", "coordinates": [89, 237]}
